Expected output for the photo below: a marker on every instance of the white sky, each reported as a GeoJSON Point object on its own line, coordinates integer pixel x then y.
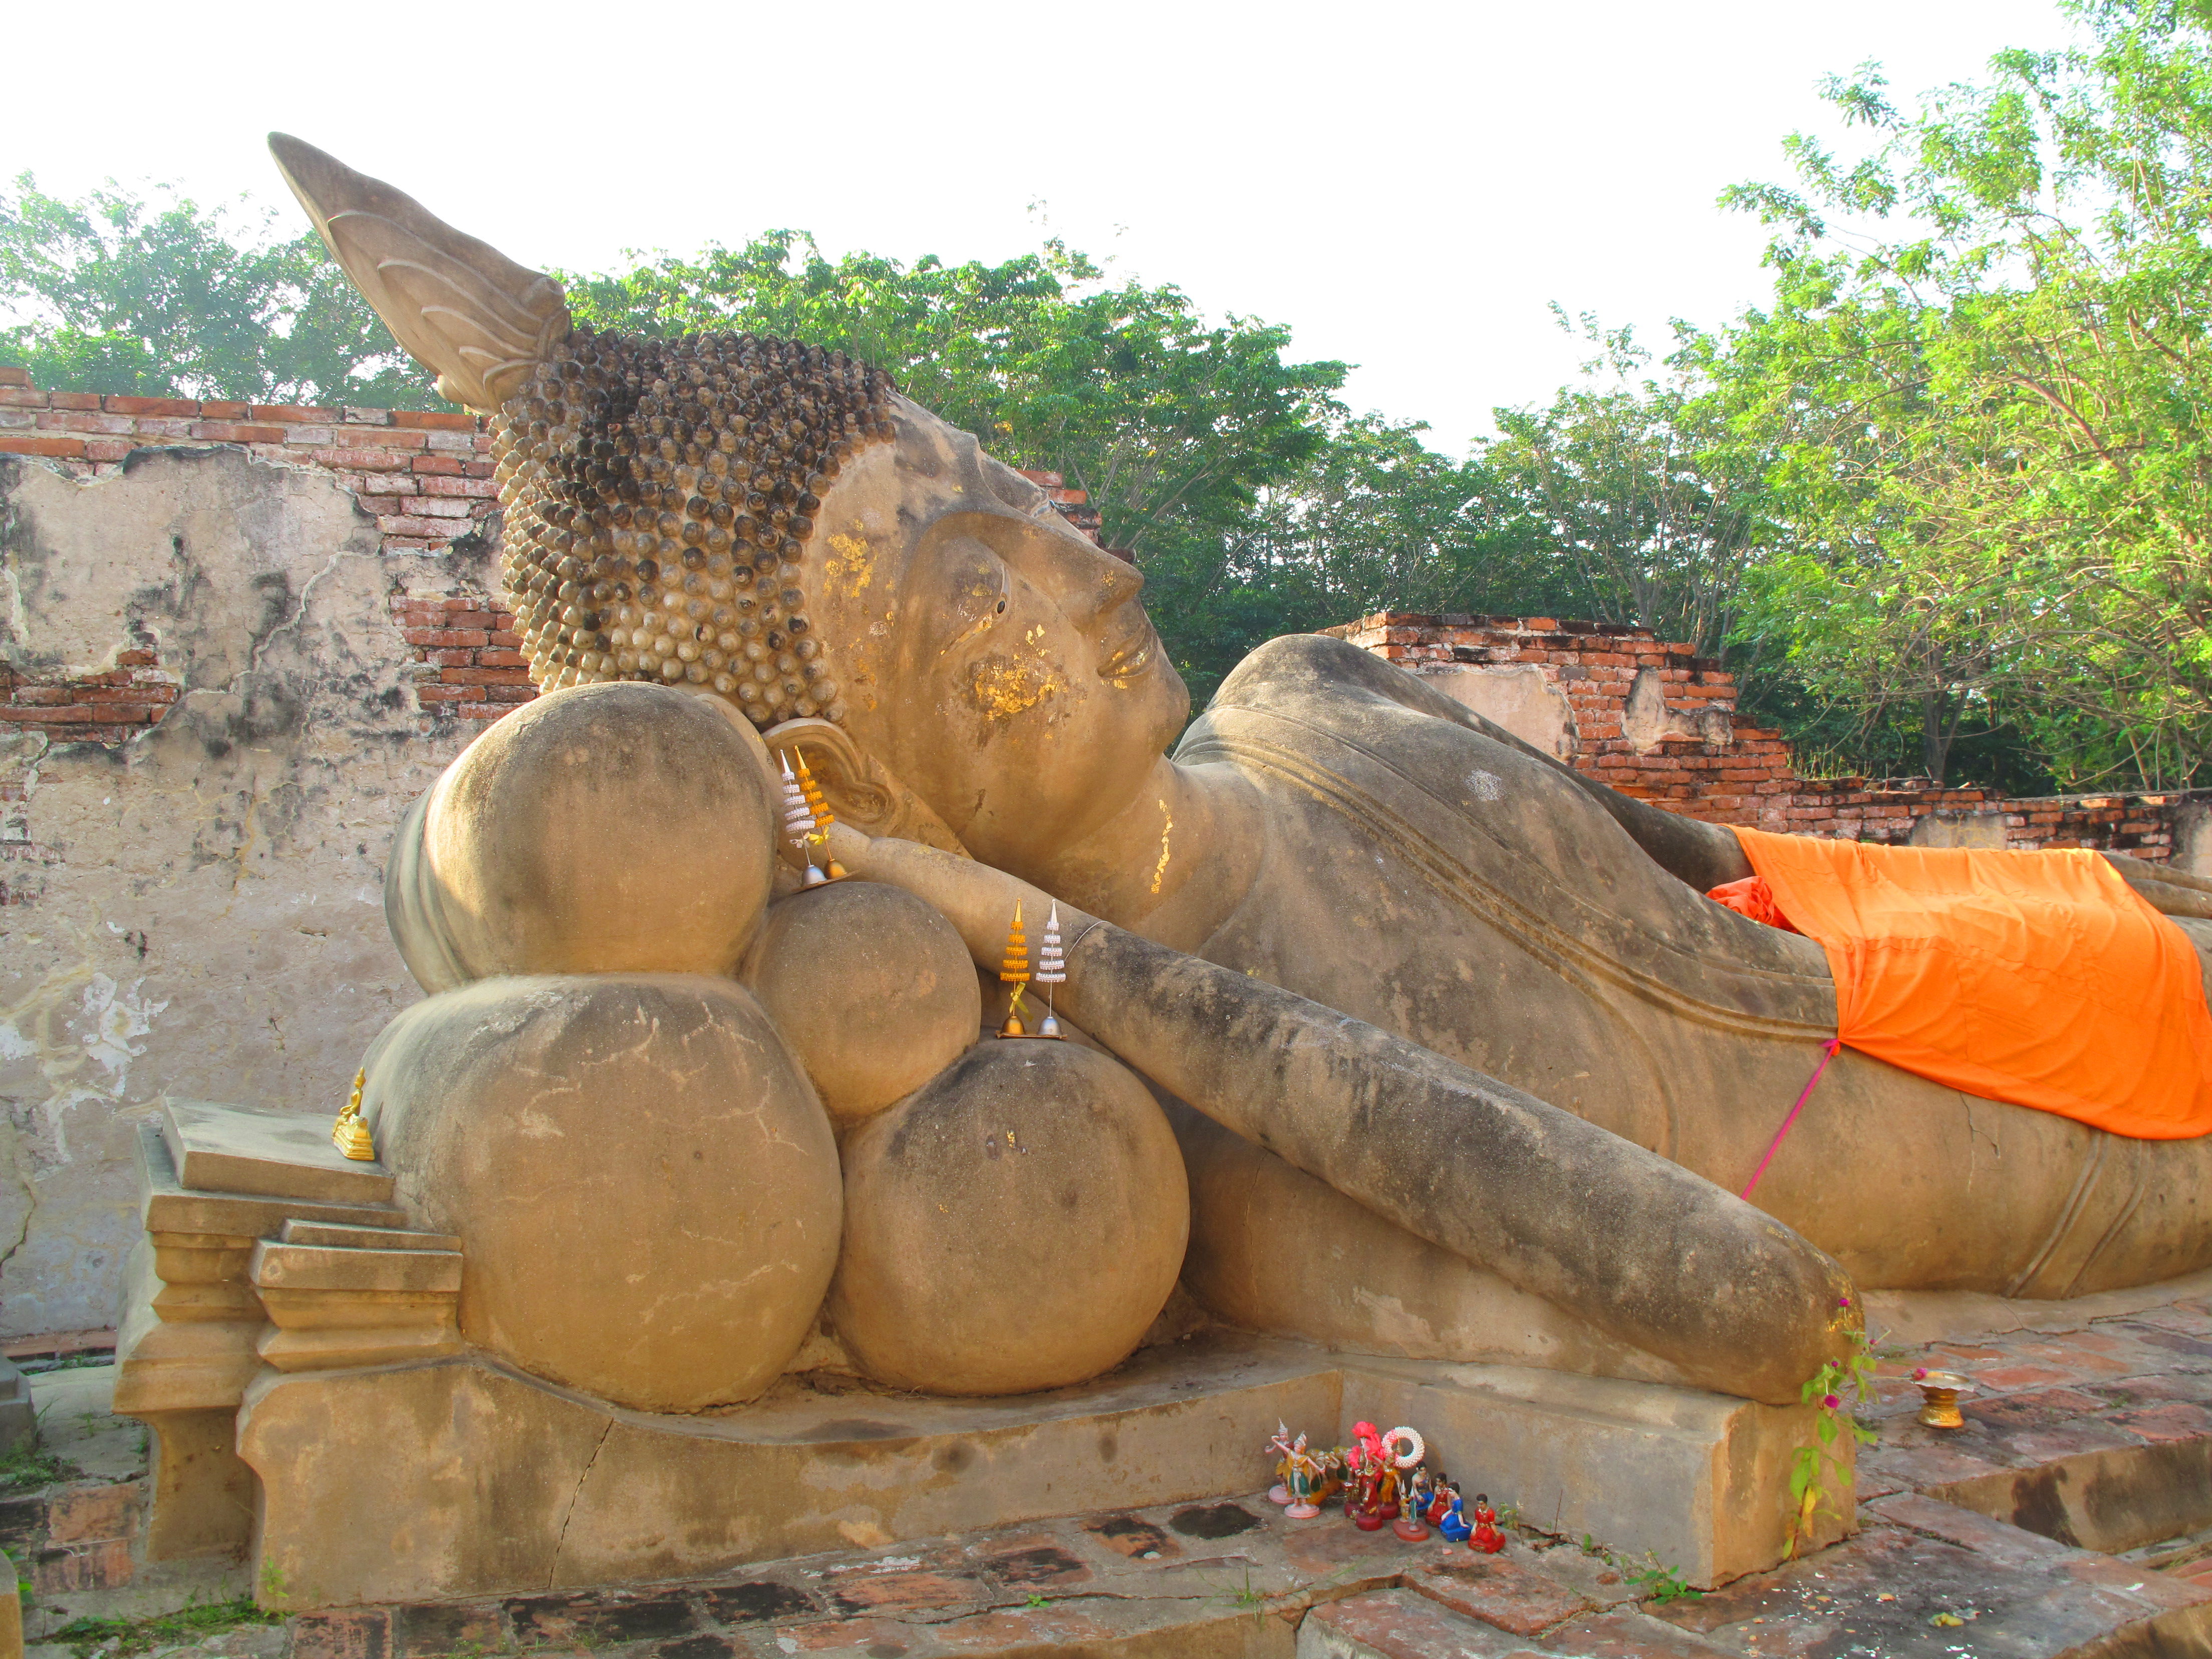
{"type": "Point", "coordinates": [1406, 184]}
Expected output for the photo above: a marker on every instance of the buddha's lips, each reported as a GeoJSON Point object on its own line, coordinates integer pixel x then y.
{"type": "Point", "coordinates": [1129, 659]}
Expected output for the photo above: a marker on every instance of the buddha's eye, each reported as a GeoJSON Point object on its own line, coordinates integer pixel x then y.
{"type": "Point", "coordinates": [1001, 609]}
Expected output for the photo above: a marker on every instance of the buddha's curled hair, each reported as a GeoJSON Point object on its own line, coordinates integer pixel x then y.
{"type": "Point", "coordinates": [659, 495]}
{"type": "Point", "coordinates": [659, 492]}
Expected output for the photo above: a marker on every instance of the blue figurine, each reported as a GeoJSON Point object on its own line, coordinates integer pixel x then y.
{"type": "Point", "coordinates": [1455, 1526]}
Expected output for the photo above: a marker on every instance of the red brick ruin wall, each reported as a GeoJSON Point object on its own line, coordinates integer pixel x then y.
{"type": "Point", "coordinates": [1733, 772]}
{"type": "Point", "coordinates": [426, 479]}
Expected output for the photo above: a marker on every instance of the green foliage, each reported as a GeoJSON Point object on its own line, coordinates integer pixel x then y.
{"type": "Point", "coordinates": [194, 1622]}
{"type": "Point", "coordinates": [117, 293]}
{"type": "Point", "coordinates": [1664, 1584]}
{"type": "Point", "coordinates": [33, 1464]}
{"type": "Point", "coordinates": [1816, 1471]}
{"type": "Point", "coordinates": [1640, 487]}
{"type": "Point", "coordinates": [1985, 378]}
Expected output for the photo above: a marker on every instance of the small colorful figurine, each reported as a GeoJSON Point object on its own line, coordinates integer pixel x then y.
{"type": "Point", "coordinates": [1280, 1442]}
{"type": "Point", "coordinates": [350, 1134]}
{"type": "Point", "coordinates": [1453, 1524]}
{"type": "Point", "coordinates": [1441, 1493]}
{"type": "Point", "coordinates": [1306, 1475]}
{"type": "Point", "coordinates": [1417, 1489]}
{"type": "Point", "coordinates": [1486, 1536]}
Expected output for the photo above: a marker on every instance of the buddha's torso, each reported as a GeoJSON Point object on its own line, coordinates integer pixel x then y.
{"type": "Point", "coordinates": [1432, 879]}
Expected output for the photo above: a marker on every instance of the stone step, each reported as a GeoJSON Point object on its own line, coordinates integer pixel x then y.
{"type": "Point", "coordinates": [296, 1232]}
{"type": "Point", "coordinates": [246, 1149]}
{"type": "Point", "coordinates": [279, 1265]}
{"type": "Point", "coordinates": [167, 1205]}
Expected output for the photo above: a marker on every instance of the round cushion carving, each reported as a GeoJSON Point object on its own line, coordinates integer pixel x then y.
{"type": "Point", "coordinates": [604, 829]}
{"type": "Point", "coordinates": [646, 1191]}
{"type": "Point", "coordinates": [872, 989]}
{"type": "Point", "coordinates": [1013, 1225]}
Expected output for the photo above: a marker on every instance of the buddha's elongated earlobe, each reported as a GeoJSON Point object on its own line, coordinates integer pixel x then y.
{"type": "Point", "coordinates": [861, 790]}
{"type": "Point", "coordinates": [463, 309]}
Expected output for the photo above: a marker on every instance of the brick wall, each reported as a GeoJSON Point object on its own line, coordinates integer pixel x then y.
{"type": "Point", "coordinates": [1679, 744]}
{"type": "Point", "coordinates": [425, 476]}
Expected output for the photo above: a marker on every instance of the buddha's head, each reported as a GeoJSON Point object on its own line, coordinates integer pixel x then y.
{"type": "Point", "coordinates": [772, 525]}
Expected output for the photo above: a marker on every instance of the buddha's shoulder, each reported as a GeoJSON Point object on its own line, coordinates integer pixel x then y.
{"type": "Point", "coordinates": [1330, 683]}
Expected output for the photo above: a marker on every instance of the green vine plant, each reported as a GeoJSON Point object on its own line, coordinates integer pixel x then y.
{"type": "Point", "coordinates": [1817, 1472]}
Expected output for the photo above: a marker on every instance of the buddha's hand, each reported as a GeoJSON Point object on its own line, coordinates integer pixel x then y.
{"type": "Point", "coordinates": [976, 899]}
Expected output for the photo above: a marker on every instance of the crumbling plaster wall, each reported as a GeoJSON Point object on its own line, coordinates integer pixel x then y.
{"type": "Point", "coordinates": [195, 909]}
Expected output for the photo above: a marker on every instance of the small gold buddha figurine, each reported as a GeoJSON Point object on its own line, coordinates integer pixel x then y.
{"type": "Point", "coordinates": [350, 1134]}
{"type": "Point", "coordinates": [1014, 971]}
{"type": "Point", "coordinates": [823, 817]}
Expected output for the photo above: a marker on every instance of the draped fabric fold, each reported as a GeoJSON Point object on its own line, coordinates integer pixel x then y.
{"type": "Point", "coordinates": [2037, 978]}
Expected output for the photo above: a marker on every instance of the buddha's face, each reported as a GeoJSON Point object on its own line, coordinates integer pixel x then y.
{"type": "Point", "coordinates": [989, 654]}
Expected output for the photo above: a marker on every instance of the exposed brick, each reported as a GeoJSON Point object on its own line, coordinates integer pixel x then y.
{"type": "Point", "coordinates": [80, 420]}
{"type": "Point", "coordinates": [20, 396]}
{"type": "Point", "coordinates": [434, 419]}
{"type": "Point", "coordinates": [231, 432]}
{"type": "Point", "coordinates": [27, 443]}
{"type": "Point", "coordinates": [361, 460]}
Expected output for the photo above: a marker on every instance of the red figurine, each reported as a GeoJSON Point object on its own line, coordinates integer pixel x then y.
{"type": "Point", "coordinates": [1486, 1536]}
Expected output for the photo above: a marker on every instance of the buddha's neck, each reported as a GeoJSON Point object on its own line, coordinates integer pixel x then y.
{"type": "Point", "coordinates": [1173, 863]}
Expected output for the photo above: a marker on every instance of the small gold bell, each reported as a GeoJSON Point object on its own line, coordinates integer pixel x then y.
{"type": "Point", "coordinates": [350, 1134]}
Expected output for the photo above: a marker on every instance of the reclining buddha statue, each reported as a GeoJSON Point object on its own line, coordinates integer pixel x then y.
{"type": "Point", "coordinates": [1460, 1061]}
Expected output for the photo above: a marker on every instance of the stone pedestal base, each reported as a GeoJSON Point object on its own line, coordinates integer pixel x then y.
{"type": "Point", "coordinates": [461, 1477]}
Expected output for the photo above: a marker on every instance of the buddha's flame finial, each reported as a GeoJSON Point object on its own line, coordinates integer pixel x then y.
{"type": "Point", "coordinates": [823, 817]}
{"type": "Point", "coordinates": [1051, 969]}
{"type": "Point", "coordinates": [799, 824]}
{"type": "Point", "coordinates": [350, 1134]}
{"type": "Point", "coordinates": [1014, 971]}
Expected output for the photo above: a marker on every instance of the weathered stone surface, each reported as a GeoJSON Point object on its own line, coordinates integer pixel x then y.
{"type": "Point", "coordinates": [872, 989]}
{"type": "Point", "coordinates": [1014, 1226]}
{"type": "Point", "coordinates": [605, 828]}
{"type": "Point", "coordinates": [195, 911]}
{"type": "Point", "coordinates": [251, 1150]}
{"type": "Point", "coordinates": [1698, 1479]}
{"type": "Point", "coordinates": [1398, 1624]}
{"type": "Point", "coordinates": [696, 1219]}
{"type": "Point", "coordinates": [511, 1486]}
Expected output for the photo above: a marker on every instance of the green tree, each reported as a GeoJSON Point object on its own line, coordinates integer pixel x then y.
{"type": "Point", "coordinates": [165, 299]}
{"type": "Point", "coordinates": [1643, 488]}
{"type": "Point", "coordinates": [1986, 377]}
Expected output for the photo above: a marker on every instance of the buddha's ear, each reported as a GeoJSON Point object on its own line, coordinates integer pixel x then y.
{"type": "Point", "coordinates": [463, 309]}
{"type": "Point", "coordinates": [858, 787]}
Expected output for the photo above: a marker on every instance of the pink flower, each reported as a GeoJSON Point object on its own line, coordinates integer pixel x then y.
{"type": "Point", "coordinates": [1918, 1372]}
{"type": "Point", "coordinates": [1831, 1400]}
{"type": "Point", "coordinates": [1843, 1302]}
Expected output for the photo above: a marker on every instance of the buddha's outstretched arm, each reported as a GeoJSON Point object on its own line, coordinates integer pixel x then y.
{"type": "Point", "coordinates": [1641, 1248]}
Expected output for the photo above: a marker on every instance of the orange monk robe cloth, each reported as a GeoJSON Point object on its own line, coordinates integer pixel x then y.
{"type": "Point", "coordinates": [2037, 978]}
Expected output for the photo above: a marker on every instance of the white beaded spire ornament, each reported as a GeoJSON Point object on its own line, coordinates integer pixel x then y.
{"type": "Point", "coordinates": [799, 824]}
{"type": "Point", "coordinates": [1051, 970]}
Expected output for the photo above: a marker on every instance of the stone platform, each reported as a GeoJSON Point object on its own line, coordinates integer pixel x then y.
{"type": "Point", "coordinates": [1926, 1574]}
{"type": "Point", "coordinates": [509, 1484]}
